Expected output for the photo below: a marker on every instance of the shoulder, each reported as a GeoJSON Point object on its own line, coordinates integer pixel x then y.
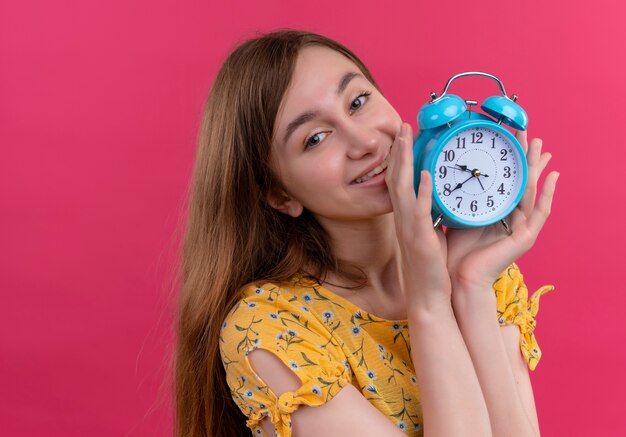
{"type": "Point", "coordinates": [272, 318]}
{"type": "Point", "coordinates": [298, 298]}
{"type": "Point", "coordinates": [275, 317]}
{"type": "Point", "coordinates": [269, 302]}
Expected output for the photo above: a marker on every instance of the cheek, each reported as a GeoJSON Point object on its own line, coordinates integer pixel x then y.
{"type": "Point", "coordinates": [387, 118]}
{"type": "Point", "coordinates": [319, 178]}
{"type": "Point", "coordinates": [324, 173]}
{"type": "Point", "coordinates": [331, 166]}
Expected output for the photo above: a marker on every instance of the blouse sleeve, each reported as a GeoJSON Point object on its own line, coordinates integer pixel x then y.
{"type": "Point", "coordinates": [272, 319]}
{"type": "Point", "coordinates": [513, 306]}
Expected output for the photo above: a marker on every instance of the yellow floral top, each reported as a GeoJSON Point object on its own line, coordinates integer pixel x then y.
{"type": "Point", "coordinates": [329, 342]}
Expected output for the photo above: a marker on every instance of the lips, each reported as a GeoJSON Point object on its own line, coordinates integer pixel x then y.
{"type": "Point", "coordinates": [380, 165]}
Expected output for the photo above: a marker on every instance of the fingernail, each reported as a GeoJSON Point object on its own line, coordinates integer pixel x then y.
{"type": "Point", "coordinates": [403, 129]}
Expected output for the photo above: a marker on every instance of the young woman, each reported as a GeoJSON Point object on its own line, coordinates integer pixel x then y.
{"type": "Point", "coordinates": [309, 262]}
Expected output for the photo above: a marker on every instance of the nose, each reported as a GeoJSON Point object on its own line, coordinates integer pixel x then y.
{"type": "Point", "coordinates": [361, 140]}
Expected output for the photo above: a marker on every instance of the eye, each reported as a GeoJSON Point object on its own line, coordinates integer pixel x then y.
{"type": "Point", "coordinates": [318, 137]}
{"type": "Point", "coordinates": [314, 139]}
{"type": "Point", "coordinates": [359, 101]}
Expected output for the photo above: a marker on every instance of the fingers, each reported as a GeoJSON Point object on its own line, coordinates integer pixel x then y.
{"type": "Point", "coordinates": [543, 161]}
{"type": "Point", "coordinates": [412, 213]}
{"type": "Point", "coordinates": [533, 155]}
{"type": "Point", "coordinates": [541, 212]}
{"type": "Point", "coordinates": [525, 231]}
{"type": "Point", "coordinates": [537, 162]}
{"type": "Point", "coordinates": [522, 137]}
{"type": "Point", "coordinates": [405, 154]}
{"type": "Point", "coordinates": [399, 177]}
{"type": "Point", "coordinates": [527, 202]}
{"type": "Point", "coordinates": [424, 201]}
{"type": "Point", "coordinates": [534, 151]}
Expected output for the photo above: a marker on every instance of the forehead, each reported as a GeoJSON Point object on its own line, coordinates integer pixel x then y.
{"type": "Point", "coordinates": [316, 75]}
{"type": "Point", "coordinates": [318, 66]}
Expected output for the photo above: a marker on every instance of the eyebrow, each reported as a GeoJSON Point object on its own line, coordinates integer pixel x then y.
{"type": "Point", "coordinates": [310, 115]}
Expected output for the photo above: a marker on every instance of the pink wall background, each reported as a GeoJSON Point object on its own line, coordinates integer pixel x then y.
{"type": "Point", "coordinates": [100, 103]}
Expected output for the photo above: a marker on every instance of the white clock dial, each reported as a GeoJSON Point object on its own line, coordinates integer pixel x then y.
{"type": "Point", "coordinates": [478, 174]}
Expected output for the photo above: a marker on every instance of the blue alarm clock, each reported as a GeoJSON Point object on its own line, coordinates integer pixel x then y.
{"type": "Point", "coordinates": [478, 167]}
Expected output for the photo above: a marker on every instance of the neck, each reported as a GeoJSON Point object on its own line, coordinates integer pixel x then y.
{"type": "Point", "coordinates": [371, 245]}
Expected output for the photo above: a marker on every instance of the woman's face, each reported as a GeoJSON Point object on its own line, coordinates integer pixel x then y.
{"type": "Point", "coordinates": [332, 128]}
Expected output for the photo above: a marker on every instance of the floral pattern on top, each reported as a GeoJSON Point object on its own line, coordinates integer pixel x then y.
{"type": "Point", "coordinates": [329, 342]}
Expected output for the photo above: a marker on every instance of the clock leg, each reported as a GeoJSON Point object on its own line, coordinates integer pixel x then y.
{"type": "Point", "coordinates": [506, 226]}
{"type": "Point", "coordinates": [438, 221]}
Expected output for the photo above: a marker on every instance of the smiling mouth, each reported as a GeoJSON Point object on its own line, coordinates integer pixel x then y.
{"type": "Point", "coordinates": [379, 169]}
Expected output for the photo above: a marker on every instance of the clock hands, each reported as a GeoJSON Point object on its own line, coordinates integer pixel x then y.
{"type": "Point", "coordinates": [464, 168]}
{"type": "Point", "coordinates": [481, 184]}
{"type": "Point", "coordinates": [475, 173]}
{"type": "Point", "coordinates": [461, 184]}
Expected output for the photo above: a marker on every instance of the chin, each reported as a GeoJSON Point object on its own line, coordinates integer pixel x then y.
{"type": "Point", "coordinates": [386, 205]}
{"type": "Point", "coordinates": [383, 208]}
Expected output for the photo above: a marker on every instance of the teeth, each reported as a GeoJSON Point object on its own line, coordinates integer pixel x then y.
{"type": "Point", "coordinates": [383, 165]}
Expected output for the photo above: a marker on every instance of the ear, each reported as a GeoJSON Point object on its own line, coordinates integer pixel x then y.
{"type": "Point", "coordinates": [284, 203]}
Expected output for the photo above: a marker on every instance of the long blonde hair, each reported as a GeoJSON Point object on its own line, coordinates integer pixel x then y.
{"type": "Point", "coordinates": [233, 236]}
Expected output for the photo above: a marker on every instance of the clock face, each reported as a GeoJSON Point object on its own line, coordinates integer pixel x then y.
{"type": "Point", "coordinates": [478, 174]}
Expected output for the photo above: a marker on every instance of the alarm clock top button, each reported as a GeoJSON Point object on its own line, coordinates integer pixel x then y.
{"type": "Point", "coordinates": [512, 114]}
{"type": "Point", "coordinates": [443, 111]}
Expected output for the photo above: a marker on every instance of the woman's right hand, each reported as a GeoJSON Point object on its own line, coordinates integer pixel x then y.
{"type": "Point", "coordinates": [425, 274]}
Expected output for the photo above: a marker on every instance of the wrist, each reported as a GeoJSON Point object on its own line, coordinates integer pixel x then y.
{"type": "Point", "coordinates": [473, 299]}
{"type": "Point", "coordinates": [464, 284]}
{"type": "Point", "coordinates": [426, 307]}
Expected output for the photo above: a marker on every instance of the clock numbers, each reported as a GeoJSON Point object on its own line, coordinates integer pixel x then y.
{"type": "Point", "coordinates": [443, 172]}
{"type": "Point", "coordinates": [481, 167]}
{"type": "Point", "coordinates": [473, 203]}
{"type": "Point", "coordinates": [477, 138]}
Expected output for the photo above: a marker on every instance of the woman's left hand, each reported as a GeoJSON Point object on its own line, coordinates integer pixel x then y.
{"type": "Point", "coordinates": [477, 256]}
